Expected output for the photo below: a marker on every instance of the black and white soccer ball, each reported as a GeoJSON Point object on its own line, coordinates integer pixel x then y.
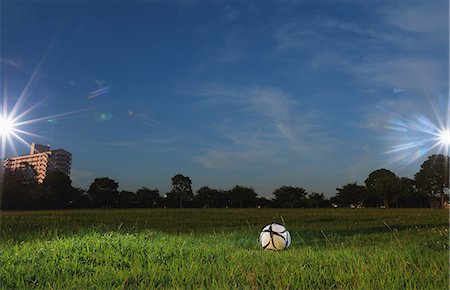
{"type": "Point", "coordinates": [275, 237]}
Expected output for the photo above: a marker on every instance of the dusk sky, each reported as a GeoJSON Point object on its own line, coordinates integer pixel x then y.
{"type": "Point", "coordinates": [256, 93]}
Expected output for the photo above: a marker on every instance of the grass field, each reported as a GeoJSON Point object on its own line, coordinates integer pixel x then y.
{"type": "Point", "coordinates": [163, 248]}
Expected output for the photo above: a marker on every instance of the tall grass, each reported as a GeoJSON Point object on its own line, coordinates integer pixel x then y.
{"type": "Point", "coordinates": [218, 249]}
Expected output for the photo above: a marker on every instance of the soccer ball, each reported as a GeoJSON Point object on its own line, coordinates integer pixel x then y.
{"type": "Point", "coordinates": [275, 237]}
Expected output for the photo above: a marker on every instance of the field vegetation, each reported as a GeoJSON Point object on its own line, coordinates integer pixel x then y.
{"type": "Point", "coordinates": [206, 248]}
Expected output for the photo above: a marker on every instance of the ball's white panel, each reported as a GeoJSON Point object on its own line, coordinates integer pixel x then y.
{"type": "Point", "coordinates": [278, 242]}
{"type": "Point", "coordinates": [278, 228]}
{"type": "Point", "coordinates": [288, 239]}
{"type": "Point", "coordinates": [266, 241]}
{"type": "Point", "coordinates": [264, 238]}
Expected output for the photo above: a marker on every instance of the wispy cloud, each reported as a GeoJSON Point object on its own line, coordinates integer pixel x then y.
{"type": "Point", "coordinates": [378, 115]}
{"type": "Point", "coordinates": [419, 74]}
{"type": "Point", "coordinates": [425, 17]}
{"type": "Point", "coordinates": [397, 51]}
{"type": "Point", "coordinates": [324, 32]}
{"type": "Point", "coordinates": [150, 145]}
{"type": "Point", "coordinates": [263, 123]}
{"type": "Point", "coordinates": [226, 159]}
{"type": "Point", "coordinates": [398, 90]}
{"type": "Point", "coordinates": [295, 35]}
{"type": "Point", "coordinates": [231, 49]}
{"type": "Point", "coordinates": [11, 62]}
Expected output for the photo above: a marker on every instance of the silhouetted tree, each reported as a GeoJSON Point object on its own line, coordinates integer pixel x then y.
{"type": "Point", "coordinates": [263, 202]}
{"type": "Point", "coordinates": [58, 190]}
{"type": "Point", "coordinates": [211, 198]}
{"type": "Point", "coordinates": [20, 190]}
{"type": "Point", "coordinates": [103, 192]}
{"type": "Point", "coordinates": [433, 177]}
{"type": "Point", "coordinates": [181, 190]}
{"type": "Point", "coordinates": [204, 196]}
{"type": "Point", "coordinates": [82, 198]}
{"type": "Point", "coordinates": [126, 199]}
{"type": "Point", "coordinates": [317, 200]}
{"type": "Point", "coordinates": [148, 197]}
{"type": "Point", "coordinates": [289, 196]}
{"type": "Point", "coordinates": [408, 195]}
{"type": "Point", "coordinates": [383, 183]}
{"type": "Point", "coordinates": [350, 193]}
{"type": "Point", "coordinates": [241, 196]}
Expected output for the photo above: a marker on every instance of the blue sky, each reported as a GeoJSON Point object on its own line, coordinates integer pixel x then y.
{"type": "Point", "coordinates": [257, 93]}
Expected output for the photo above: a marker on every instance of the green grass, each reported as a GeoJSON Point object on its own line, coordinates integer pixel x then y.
{"type": "Point", "coordinates": [162, 248]}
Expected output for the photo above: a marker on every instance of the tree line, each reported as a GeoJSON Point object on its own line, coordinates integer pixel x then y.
{"type": "Point", "coordinates": [429, 188]}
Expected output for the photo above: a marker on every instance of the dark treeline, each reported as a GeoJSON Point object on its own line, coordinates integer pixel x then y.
{"type": "Point", "coordinates": [382, 187]}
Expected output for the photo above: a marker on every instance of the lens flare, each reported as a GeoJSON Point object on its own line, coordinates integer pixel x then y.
{"type": "Point", "coordinates": [444, 137]}
{"type": "Point", "coordinates": [12, 127]}
{"type": "Point", "coordinates": [99, 92]}
{"type": "Point", "coordinates": [416, 137]}
{"type": "Point", "coordinates": [7, 126]}
{"type": "Point", "coordinates": [14, 122]}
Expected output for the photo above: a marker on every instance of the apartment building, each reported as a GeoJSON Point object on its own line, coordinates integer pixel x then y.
{"type": "Point", "coordinates": [43, 160]}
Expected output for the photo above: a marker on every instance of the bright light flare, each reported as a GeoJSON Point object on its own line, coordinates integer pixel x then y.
{"type": "Point", "coordinates": [444, 137]}
{"type": "Point", "coordinates": [417, 136]}
{"type": "Point", "coordinates": [10, 129]}
{"type": "Point", "coordinates": [13, 122]}
{"type": "Point", "coordinates": [7, 126]}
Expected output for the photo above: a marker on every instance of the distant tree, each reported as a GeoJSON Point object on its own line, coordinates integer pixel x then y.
{"type": "Point", "coordinates": [317, 200]}
{"type": "Point", "coordinates": [408, 194]}
{"type": "Point", "coordinates": [211, 198]}
{"type": "Point", "coordinates": [372, 198]}
{"type": "Point", "coordinates": [20, 190]}
{"type": "Point", "coordinates": [181, 190]}
{"type": "Point", "coordinates": [350, 193]}
{"type": "Point", "coordinates": [58, 190]}
{"type": "Point", "coordinates": [103, 192]}
{"type": "Point", "coordinates": [82, 198]}
{"type": "Point", "coordinates": [433, 177]}
{"type": "Point", "coordinates": [204, 196]}
{"type": "Point", "coordinates": [148, 197]}
{"type": "Point", "coordinates": [126, 199]}
{"type": "Point", "coordinates": [263, 202]}
{"type": "Point", "coordinates": [289, 196]}
{"type": "Point", "coordinates": [241, 196]}
{"type": "Point", "coordinates": [382, 182]}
